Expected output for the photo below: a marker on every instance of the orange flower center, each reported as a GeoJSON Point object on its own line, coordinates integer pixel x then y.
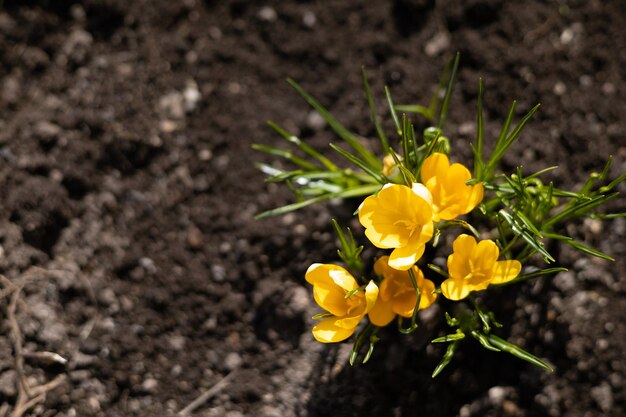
{"type": "Point", "coordinates": [411, 227]}
{"type": "Point", "coordinates": [354, 303]}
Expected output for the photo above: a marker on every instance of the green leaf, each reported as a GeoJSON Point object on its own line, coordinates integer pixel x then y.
{"type": "Point", "coordinates": [518, 352]}
{"type": "Point", "coordinates": [520, 229]}
{"type": "Point", "coordinates": [283, 153]}
{"type": "Point", "coordinates": [348, 193]}
{"type": "Point", "coordinates": [484, 340]}
{"type": "Point", "coordinates": [322, 315]}
{"type": "Point", "coordinates": [578, 208]}
{"type": "Point", "coordinates": [361, 164]}
{"type": "Point", "coordinates": [588, 250]}
{"type": "Point", "coordinates": [478, 151]}
{"type": "Point", "coordinates": [373, 340]}
{"type": "Point", "coordinates": [338, 128]}
{"type": "Point", "coordinates": [409, 179]}
{"type": "Point", "coordinates": [539, 273]}
{"type": "Point", "coordinates": [392, 110]}
{"type": "Point", "coordinates": [369, 331]}
{"type": "Point", "coordinates": [415, 108]}
{"type": "Point", "coordinates": [502, 145]}
{"type": "Point", "coordinates": [612, 184]}
{"type": "Point", "coordinates": [449, 337]}
{"type": "Point", "coordinates": [438, 270]}
{"type": "Point", "coordinates": [443, 113]}
{"type": "Point", "coordinates": [447, 357]}
{"type": "Point", "coordinates": [374, 116]}
{"type": "Point", "coordinates": [303, 146]}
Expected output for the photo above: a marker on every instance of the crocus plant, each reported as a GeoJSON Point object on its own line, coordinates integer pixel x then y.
{"type": "Point", "coordinates": [415, 198]}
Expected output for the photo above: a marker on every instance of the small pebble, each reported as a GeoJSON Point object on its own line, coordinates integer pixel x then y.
{"type": "Point", "coordinates": [232, 361]}
{"type": "Point", "coordinates": [267, 14]}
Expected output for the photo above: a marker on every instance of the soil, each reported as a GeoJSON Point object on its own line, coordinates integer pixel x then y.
{"type": "Point", "coordinates": [127, 174]}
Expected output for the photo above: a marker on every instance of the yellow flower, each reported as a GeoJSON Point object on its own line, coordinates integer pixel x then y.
{"type": "Point", "coordinates": [389, 165]}
{"type": "Point", "coordinates": [331, 283]}
{"type": "Point", "coordinates": [399, 218]}
{"type": "Point", "coordinates": [472, 267]}
{"type": "Point", "coordinates": [396, 294]}
{"type": "Point", "coordinates": [451, 196]}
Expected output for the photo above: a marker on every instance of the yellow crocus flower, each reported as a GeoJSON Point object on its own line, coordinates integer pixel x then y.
{"type": "Point", "coordinates": [331, 284]}
{"type": "Point", "coordinates": [396, 294]}
{"type": "Point", "coordinates": [473, 266]}
{"type": "Point", "coordinates": [451, 196]}
{"type": "Point", "coordinates": [399, 218]}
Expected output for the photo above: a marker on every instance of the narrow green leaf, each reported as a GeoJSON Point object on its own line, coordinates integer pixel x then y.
{"type": "Point", "coordinates": [369, 330]}
{"type": "Point", "coordinates": [283, 153]}
{"type": "Point", "coordinates": [612, 184]}
{"type": "Point", "coordinates": [452, 321]}
{"type": "Point", "coordinates": [438, 270]}
{"type": "Point", "coordinates": [409, 179]}
{"type": "Point", "coordinates": [374, 116]}
{"type": "Point", "coordinates": [578, 208]}
{"type": "Point", "coordinates": [392, 110]}
{"type": "Point", "coordinates": [361, 164]}
{"type": "Point", "coordinates": [349, 193]}
{"type": "Point", "coordinates": [518, 352]}
{"type": "Point", "coordinates": [484, 340]}
{"type": "Point", "coordinates": [484, 317]}
{"type": "Point", "coordinates": [303, 146]}
{"type": "Point", "coordinates": [338, 128]}
{"type": "Point", "coordinates": [443, 113]}
{"type": "Point", "coordinates": [447, 357]}
{"type": "Point", "coordinates": [322, 315]}
{"type": "Point", "coordinates": [541, 172]}
{"type": "Point", "coordinates": [588, 250]}
{"type": "Point", "coordinates": [354, 291]}
{"type": "Point", "coordinates": [419, 296]}
{"type": "Point", "coordinates": [373, 340]}
{"type": "Point", "coordinates": [415, 108]}
{"type": "Point", "coordinates": [449, 337]}
{"type": "Point", "coordinates": [404, 140]}
{"type": "Point", "coordinates": [478, 151]}
{"type": "Point", "coordinates": [339, 232]}
{"type": "Point", "coordinates": [463, 224]}
{"type": "Point", "coordinates": [524, 233]}
{"type": "Point", "coordinates": [502, 145]}
{"type": "Point", "coordinates": [539, 273]}
{"type": "Point", "coordinates": [607, 215]}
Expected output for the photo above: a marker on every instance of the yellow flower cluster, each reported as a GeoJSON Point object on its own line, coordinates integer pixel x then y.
{"type": "Point", "coordinates": [473, 266]}
{"type": "Point", "coordinates": [335, 290]}
{"type": "Point", "coordinates": [403, 219]}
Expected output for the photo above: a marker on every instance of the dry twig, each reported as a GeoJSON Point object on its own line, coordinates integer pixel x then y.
{"type": "Point", "coordinates": [205, 396]}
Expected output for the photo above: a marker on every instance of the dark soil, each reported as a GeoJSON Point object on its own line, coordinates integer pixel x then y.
{"type": "Point", "coordinates": [127, 173]}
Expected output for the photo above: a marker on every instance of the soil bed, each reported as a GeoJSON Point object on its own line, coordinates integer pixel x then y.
{"type": "Point", "coordinates": [127, 173]}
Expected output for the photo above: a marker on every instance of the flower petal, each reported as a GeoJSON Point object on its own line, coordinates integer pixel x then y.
{"type": "Point", "coordinates": [456, 177]}
{"type": "Point", "coordinates": [385, 237]}
{"type": "Point", "coordinates": [484, 256]}
{"type": "Point", "coordinates": [455, 289]}
{"type": "Point", "coordinates": [382, 314]}
{"type": "Point", "coordinates": [423, 192]}
{"type": "Point", "coordinates": [505, 271]}
{"type": "Point", "coordinates": [474, 197]}
{"type": "Point", "coordinates": [331, 298]}
{"type": "Point", "coordinates": [435, 165]}
{"type": "Point", "coordinates": [380, 266]}
{"type": "Point", "coordinates": [404, 258]}
{"type": "Point", "coordinates": [458, 262]}
{"type": "Point", "coordinates": [427, 296]}
{"type": "Point", "coordinates": [371, 294]}
{"type": "Point", "coordinates": [328, 274]}
{"type": "Point", "coordinates": [327, 331]}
